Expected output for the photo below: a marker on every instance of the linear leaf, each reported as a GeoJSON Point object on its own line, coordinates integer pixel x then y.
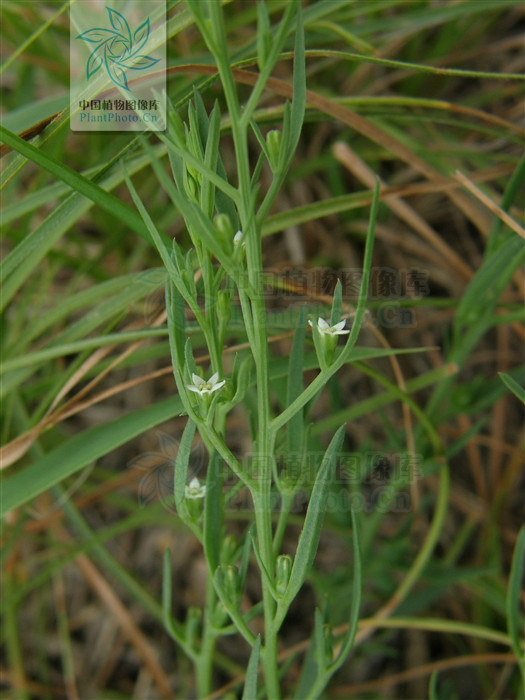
{"type": "Point", "coordinates": [357, 584]}
{"type": "Point", "coordinates": [107, 201]}
{"type": "Point", "coordinates": [250, 684]}
{"type": "Point", "coordinates": [181, 470]}
{"type": "Point", "coordinates": [311, 532]}
{"type": "Point", "coordinates": [213, 512]}
{"type": "Point", "coordinates": [80, 450]}
{"type": "Point", "coordinates": [514, 597]}
{"type": "Point", "coordinates": [512, 385]}
{"type": "Point", "coordinates": [295, 427]}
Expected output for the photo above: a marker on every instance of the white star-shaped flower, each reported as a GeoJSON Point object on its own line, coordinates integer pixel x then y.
{"type": "Point", "coordinates": [201, 386]}
{"type": "Point", "coordinates": [194, 489]}
{"type": "Point", "coordinates": [326, 329]}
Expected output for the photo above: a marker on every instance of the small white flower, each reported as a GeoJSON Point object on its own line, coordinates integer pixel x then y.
{"type": "Point", "coordinates": [238, 238]}
{"type": "Point", "coordinates": [201, 386]}
{"type": "Point", "coordinates": [326, 329]}
{"type": "Point", "coordinates": [194, 489]}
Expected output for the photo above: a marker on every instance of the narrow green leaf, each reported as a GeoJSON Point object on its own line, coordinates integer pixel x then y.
{"type": "Point", "coordinates": [19, 264]}
{"type": "Point", "coordinates": [213, 512]}
{"type": "Point", "coordinates": [299, 86]}
{"type": "Point", "coordinates": [355, 607]}
{"type": "Point", "coordinates": [337, 304]}
{"type": "Point", "coordinates": [295, 427]}
{"type": "Point", "coordinates": [319, 642]}
{"type": "Point", "coordinates": [167, 618]}
{"type": "Point", "coordinates": [514, 615]}
{"type": "Point", "coordinates": [211, 156]}
{"type": "Point", "coordinates": [250, 683]}
{"type": "Point", "coordinates": [309, 539]}
{"type": "Point", "coordinates": [35, 358]}
{"type": "Point", "coordinates": [181, 470]}
{"type": "Point", "coordinates": [499, 232]}
{"type": "Point", "coordinates": [512, 385]}
{"type": "Point", "coordinates": [107, 201]}
{"type": "Point", "coordinates": [433, 693]}
{"type": "Point", "coordinates": [489, 283]}
{"type": "Point", "coordinates": [80, 451]}
{"type": "Point", "coordinates": [264, 571]}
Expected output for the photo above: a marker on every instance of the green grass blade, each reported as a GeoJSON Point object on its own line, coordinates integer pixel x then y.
{"type": "Point", "coordinates": [107, 201]}
{"type": "Point", "coordinates": [512, 385]}
{"type": "Point", "coordinates": [80, 450]}
{"type": "Point", "coordinates": [514, 615]}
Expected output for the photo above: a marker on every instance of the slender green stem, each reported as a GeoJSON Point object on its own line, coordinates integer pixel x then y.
{"type": "Point", "coordinates": [204, 660]}
{"type": "Point", "coordinates": [286, 504]}
{"type": "Point", "coordinates": [263, 449]}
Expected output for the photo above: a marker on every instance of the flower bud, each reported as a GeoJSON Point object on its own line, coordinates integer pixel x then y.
{"type": "Point", "coordinates": [283, 569]}
{"type": "Point", "coordinates": [229, 549]}
{"type": "Point", "coordinates": [191, 625]}
{"type": "Point", "coordinates": [224, 229]}
{"type": "Point", "coordinates": [230, 583]}
{"type": "Point", "coordinates": [224, 307]}
{"type": "Point", "coordinates": [328, 643]}
{"type": "Point", "coordinates": [191, 188]}
{"type": "Point", "coordinates": [273, 144]}
{"type": "Point", "coordinates": [220, 615]}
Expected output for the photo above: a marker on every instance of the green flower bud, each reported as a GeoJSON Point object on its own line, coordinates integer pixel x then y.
{"type": "Point", "coordinates": [191, 625]}
{"type": "Point", "coordinates": [283, 569]}
{"type": "Point", "coordinates": [273, 144]}
{"type": "Point", "coordinates": [230, 584]}
{"type": "Point", "coordinates": [224, 306]}
{"type": "Point", "coordinates": [224, 229]}
{"type": "Point", "coordinates": [191, 188]}
{"type": "Point", "coordinates": [229, 549]}
{"type": "Point", "coordinates": [219, 616]}
{"type": "Point", "coordinates": [328, 643]}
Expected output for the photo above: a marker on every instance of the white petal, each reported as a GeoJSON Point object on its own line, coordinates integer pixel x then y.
{"type": "Point", "coordinates": [213, 378]}
{"type": "Point", "coordinates": [198, 381]}
{"type": "Point", "coordinates": [323, 325]}
{"type": "Point", "coordinates": [217, 386]}
{"type": "Point", "coordinates": [195, 483]}
{"type": "Point", "coordinates": [190, 387]}
{"type": "Point", "coordinates": [339, 326]}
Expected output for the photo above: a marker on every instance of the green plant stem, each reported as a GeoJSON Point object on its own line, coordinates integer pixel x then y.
{"type": "Point", "coordinates": [204, 660]}
{"type": "Point", "coordinates": [263, 448]}
{"type": "Point", "coordinates": [286, 504]}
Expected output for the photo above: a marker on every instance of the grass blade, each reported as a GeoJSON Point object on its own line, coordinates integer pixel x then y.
{"type": "Point", "coordinates": [512, 385]}
{"type": "Point", "coordinates": [80, 450]}
{"type": "Point", "coordinates": [107, 201]}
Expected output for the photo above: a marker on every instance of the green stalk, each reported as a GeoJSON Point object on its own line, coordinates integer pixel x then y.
{"type": "Point", "coordinates": [264, 443]}
{"type": "Point", "coordinates": [204, 660]}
